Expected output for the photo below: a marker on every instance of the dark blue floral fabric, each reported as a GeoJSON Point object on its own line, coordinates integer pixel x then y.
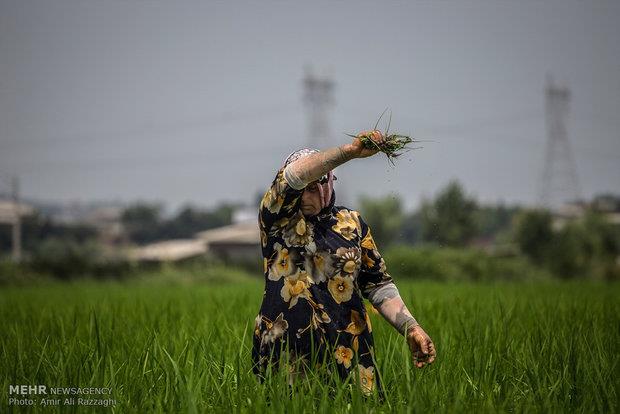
{"type": "Point", "coordinates": [318, 270]}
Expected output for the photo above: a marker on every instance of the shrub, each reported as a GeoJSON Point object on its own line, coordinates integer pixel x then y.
{"type": "Point", "coordinates": [68, 259]}
{"type": "Point", "coordinates": [446, 264]}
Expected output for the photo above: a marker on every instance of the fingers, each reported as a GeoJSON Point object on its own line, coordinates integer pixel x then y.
{"type": "Point", "coordinates": [374, 135]}
{"type": "Point", "coordinates": [419, 359]}
{"type": "Point", "coordinates": [425, 353]}
{"type": "Point", "coordinates": [431, 352]}
{"type": "Point", "coordinates": [424, 346]}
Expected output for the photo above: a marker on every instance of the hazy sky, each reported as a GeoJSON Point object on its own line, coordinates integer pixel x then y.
{"type": "Point", "coordinates": [200, 101]}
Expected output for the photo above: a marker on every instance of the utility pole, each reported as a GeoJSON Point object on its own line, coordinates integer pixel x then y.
{"type": "Point", "coordinates": [559, 179]}
{"type": "Point", "coordinates": [17, 223]}
{"type": "Point", "coordinates": [318, 97]}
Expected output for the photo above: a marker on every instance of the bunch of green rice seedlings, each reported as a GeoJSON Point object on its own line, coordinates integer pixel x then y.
{"type": "Point", "coordinates": [393, 145]}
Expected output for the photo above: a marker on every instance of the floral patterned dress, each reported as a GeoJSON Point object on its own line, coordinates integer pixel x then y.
{"type": "Point", "coordinates": [317, 271]}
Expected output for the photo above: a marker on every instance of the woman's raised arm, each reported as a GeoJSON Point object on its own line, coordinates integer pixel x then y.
{"type": "Point", "coordinates": [305, 170]}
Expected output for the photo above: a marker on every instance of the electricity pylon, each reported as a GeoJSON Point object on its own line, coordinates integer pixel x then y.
{"type": "Point", "coordinates": [318, 99]}
{"type": "Point", "coordinates": [559, 182]}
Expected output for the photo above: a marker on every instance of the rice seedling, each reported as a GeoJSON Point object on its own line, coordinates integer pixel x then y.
{"type": "Point", "coordinates": [392, 145]}
{"type": "Point", "coordinates": [165, 347]}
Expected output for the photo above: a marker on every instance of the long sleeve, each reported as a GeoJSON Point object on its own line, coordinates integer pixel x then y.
{"type": "Point", "coordinates": [280, 201]}
{"type": "Point", "coordinates": [374, 281]}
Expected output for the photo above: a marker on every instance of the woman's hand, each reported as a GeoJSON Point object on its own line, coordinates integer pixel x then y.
{"type": "Point", "coordinates": [421, 346]}
{"type": "Point", "coordinates": [396, 313]}
{"type": "Point", "coordinates": [357, 150]}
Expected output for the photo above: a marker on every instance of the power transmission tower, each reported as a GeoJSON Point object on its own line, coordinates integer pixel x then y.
{"type": "Point", "coordinates": [318, 99]}
{"type": "Point", "coordinates": [559, 182]}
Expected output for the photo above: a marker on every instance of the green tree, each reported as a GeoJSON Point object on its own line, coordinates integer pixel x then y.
{"type": "Point", "coordinates": [142, 221]}
{"type": "Point", "coordinates": [567, 254]}
{"type": "Point", "coordinates": [36, 228]}
{"type": "Point", "coordinates": [493, 219]}
{"type": "Point", "coordinates": [385, 218]}
{"type": "Point", "coordinates": [412, 228]}
{"type": "Point", "coordinates": [191, 220]}
{"type": "Point", "coordinates": [66, 258]}
{"type": "Point", "coordinates": [534, 234]}
{"type": "Point", "coordinates": [449, 219]}
{"type": "Point", "coordinates": [585, 247]}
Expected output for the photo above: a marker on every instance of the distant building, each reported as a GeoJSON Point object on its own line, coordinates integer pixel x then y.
{"type": "Point", "coordinates": [104, 217]}
{"type": "Point", "coordinates": [607, 205]}
{"type": "Point", "coordinates": [9, 211]}
{"type": "Point", "coordinates": [567, 213]}
{"type": "Point", "coordinates": [108, 222]}
{"type": "Point", "coordinates": [235, 243]}
{"type": "Point", "coordinates": [12, 213]}
{"type": "Point", "coordinates": [239, 242]}
{"type": "Point", "coordinates": [168, 250]}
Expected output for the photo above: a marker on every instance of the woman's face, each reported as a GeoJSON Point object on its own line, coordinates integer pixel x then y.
{"type": "Point", "coordinates": [311, 200]}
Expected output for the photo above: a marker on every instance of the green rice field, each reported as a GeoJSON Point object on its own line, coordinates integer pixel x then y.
{"type": "Point", "coordinates": [185, 347]}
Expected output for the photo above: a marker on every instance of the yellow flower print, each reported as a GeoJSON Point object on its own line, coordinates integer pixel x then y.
{"type": "Point", "coordinates": [289, 207]}
{"type": "Point", "coordinates": [368, 242]}
{"type": "Point", "coordinates": [368, 262]}
{"type": "Point", "coordinates": [356, 218]}
{"type": "Point", "coordinates": [317, 263]}
{"type": "Point", "coordinates": [357, 324]}
{"type": "Point", "coordinates": [317, 321]}
{"type": "Point", "coordinates": [274, 329]}
{"type": "Point", "coordinates": [273, 200]}
{"type": "Point", "coordinates": [295, 287]}
{"type": "Point", "coordinates": [366, 378]}
{"type": "Point", "coordinates": [265, 265]}
{"type": "Point", "coordinates": [382, 267]}
{"type": "Point", "coordinates": [371, 308]}
{"type": "Point", "coordinates": [274, 197]}
{"type": "Point", "coordinates": [344, 355]}
{"type": "Point", "coordinates": [282, 265]}
{"type": "Point", "coordinates": [320, 317]}
{"type": "Point", "coordinates": [341, 288]}
{"type": "Point", "coordinates": [257, 323]}
{"type": "Point", "coordinates": [346, 225]}
{"type": "Point", "coordinates": [280, 224]}
{"type": "Point", "coordinates": [348, 261]}
{"type": "Point", "coordinates": [299, 232]}
{"type": "Point", "coordinates": [368, 320]}
{"type": "Point", "coordinates": [263, 238]}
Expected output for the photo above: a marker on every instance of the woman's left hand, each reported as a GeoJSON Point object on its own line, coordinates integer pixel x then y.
{"type": "Point", "coordinates": [421, 347]}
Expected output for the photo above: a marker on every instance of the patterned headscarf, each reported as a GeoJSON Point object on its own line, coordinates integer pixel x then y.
{"type": "Point", "coordinates": [325, 183]}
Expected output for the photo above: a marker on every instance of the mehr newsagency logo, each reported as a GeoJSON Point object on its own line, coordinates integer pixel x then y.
{"type": "Point", "coordinates": [42, 395]}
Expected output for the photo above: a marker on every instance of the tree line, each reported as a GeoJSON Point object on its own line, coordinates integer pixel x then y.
{"type": "Point", "coordinates": [447, 236]}
{"type": "Point", "coordinates": [585, 245]}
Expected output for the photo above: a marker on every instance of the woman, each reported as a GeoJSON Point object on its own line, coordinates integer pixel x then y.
{"type": "Point", "coordinates": [320, 262]}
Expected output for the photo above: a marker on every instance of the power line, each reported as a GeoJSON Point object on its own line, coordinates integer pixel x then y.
{"type": "Point", "coordinates": [176, 128]}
